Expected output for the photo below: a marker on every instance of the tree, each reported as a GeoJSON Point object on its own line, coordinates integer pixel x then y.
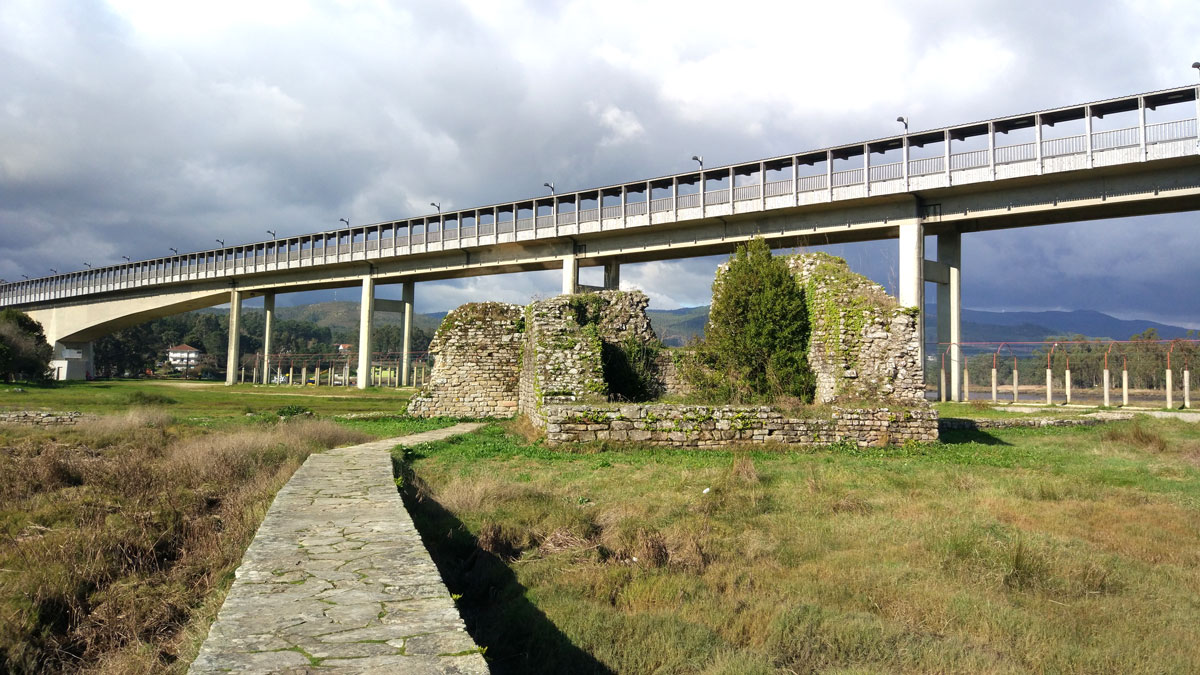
{"type": "Point", "coordinates": [24, 352]}
{"type": "Point", "coordinates": [755, 348]}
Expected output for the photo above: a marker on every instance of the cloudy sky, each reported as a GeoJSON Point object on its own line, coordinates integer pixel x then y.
{"type": "Point", "coordinates": [130, 126]}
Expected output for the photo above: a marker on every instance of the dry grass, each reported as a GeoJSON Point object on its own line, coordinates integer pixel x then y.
{"type": "Point", "coordinates": [1055, 550]}
{"type": "Point", "coordinates": [114, 532]}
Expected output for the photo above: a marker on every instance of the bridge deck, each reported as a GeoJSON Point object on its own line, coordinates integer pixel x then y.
{"type": "Point", "coordinates": [337, 577]}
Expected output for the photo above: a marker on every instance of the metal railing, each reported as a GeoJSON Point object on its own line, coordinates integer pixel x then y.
{"type": "Point", "coordinates": [926, 166]}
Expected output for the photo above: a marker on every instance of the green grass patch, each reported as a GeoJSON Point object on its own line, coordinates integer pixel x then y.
{"type": "Point", "coordinates": [1061, 549]}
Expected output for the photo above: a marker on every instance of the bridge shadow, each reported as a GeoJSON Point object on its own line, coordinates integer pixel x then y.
{"type": "Point", "coordinates": [957, 431]}
{"type": "Point", "coordinates": [518, 637]}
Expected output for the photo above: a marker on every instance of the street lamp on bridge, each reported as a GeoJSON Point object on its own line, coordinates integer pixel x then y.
{"type": "Point", "coordinates": [699, 158]}
{"type": "Point", "coordinates": [551, 186]}
{"type": "Point", "coordinates": [87, 265]}
{"type": "Point", "coordinates": [903, 120]}
{"type": "Point", "coordinates": [438, 206]}
{"type": "Point", "coordinates": [126, 258]}
{"type": "Point", "coordinates": [343, 220]}
{"type": "Point", "coordinates": [221, 242]}
{"type": "Point", "coordinates": [54, 270]}
{"type": "Point", "coordinates": [1196, 65]}
{"type": "Point", "coordinates": [272, 233]}
{"type": "Point", "coordinates": [174, 249]}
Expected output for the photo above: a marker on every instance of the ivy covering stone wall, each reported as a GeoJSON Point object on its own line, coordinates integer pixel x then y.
{"type": "Point", "coordinates": [565, 338]}
{"type": "Point", "coordinates": [477, 352]}
{"type": "Point", "coordinates": [704, 426]}
{"type": "Point", "coordinates": [862, 344]}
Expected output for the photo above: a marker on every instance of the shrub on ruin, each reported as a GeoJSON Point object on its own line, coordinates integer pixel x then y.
{"type": "Point", "coordinates": [755, 347]}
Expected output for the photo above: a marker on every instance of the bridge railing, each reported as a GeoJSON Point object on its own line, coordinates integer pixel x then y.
{"type": "Point", "coordinates": [1147, 140]}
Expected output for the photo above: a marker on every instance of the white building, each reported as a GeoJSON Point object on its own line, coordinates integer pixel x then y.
{"type": "Point", "coordinates": [183, 357]}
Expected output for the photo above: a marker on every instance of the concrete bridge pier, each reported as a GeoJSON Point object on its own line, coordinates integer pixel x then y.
{"type": "Point", "coordinates": [235, 337]}
{"type": "Point", "coordinates": [365, 319]}
{"type": "Point", "coordinates": [949, 307]}
{"type": "Point", "coordinates": [268, 319]}
{"type": "Point", "coordinates": [406, 297]}
{"type": "Point", "coordinates": [912, 277]}
{"type": "Point", "coordinates": [71, 361]}
{"type": "Point", "coordinates": [570, 284]}
{"type": "Point", "coordinates": [612, 275]}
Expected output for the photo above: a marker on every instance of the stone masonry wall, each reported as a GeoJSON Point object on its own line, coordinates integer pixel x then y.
{"type": "Point", "coordinates": [862, 345]}
{"type": "Point", "coordinates": [563, 347]}
{"type": "Point", "coordinates": [478, 355]}
{"type": "Point", "coordinates": [704, 426]}
{"type": "Point", "coordinates": [40, 418]}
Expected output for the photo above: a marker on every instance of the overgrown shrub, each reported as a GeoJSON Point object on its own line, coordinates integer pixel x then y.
{"type": "Point", "coordinates": [631, 369]}
{"type": "Point", "coordinates": [755, 347]}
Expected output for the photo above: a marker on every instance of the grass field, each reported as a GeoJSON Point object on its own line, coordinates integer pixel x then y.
{"type": "Point", "coordinates": [1025, 550]}
{"type": "Point", "coordinates": [119, 536]}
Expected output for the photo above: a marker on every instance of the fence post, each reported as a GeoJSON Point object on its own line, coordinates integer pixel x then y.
{"type": "Point", "coordinates": [1067, 384]}
{"type": "Point", "coordinates": [1170, 393]}
{"type": "Point", "coordinates": [1106, 387]}
{"type": "Point", "coordinates": [1015, 377]}
{"type": "Point", "coordinates": [1049, 387]}
{"type": "Point", "coordinates": [995, 391]}
{"type": "Point", "coordinates": [966, 393]}
{"type": "Point", "coordinates": [1187, 388]}
{"type": "Point", "coordinates": [1124, 386]}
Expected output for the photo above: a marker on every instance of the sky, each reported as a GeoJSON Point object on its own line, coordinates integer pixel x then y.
{"type": "Point", "coordinates": [131, 126]}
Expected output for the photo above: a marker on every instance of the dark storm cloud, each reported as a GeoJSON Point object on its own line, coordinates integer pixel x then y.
{"type": "Point", "coordinates": [127, 128]}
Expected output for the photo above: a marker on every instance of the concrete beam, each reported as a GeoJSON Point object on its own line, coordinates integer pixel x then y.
{"type": "Point", "coordinates": [365, 319]}
{"type": "Point", "coordinates": [235, 337]}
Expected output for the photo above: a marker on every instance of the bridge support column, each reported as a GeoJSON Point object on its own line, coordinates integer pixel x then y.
{"type": "Point", "coordinates": [570, 282]}
{"type": "Point", "coordinates": [912, 278]}
{"type": "Point", "coordinates": [365, 319]}
{"type": "Point", "coordinates": [268, 319]}
{"type": "Point", "coordinates": [612, 275]}
{"type": "Point", "coordinates": [235, 337]}
{"type": "Point", "coordinates": [406, 297]}
{"type": "Point", "coordinates": [72, 361]}
{"type": "Point", "coordinates": [949, 308]}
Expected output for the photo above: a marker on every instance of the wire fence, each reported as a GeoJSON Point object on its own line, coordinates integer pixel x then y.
{"type": "Point", "coordinates": [338, 369]}
{"type": "Point", "coordinates": [1150, 372]}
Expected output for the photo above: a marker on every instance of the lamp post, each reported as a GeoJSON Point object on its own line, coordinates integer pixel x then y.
{"type": "Point", "coordinates": [174, 249]}
{"type": "Point", "coordinates": [903, 120]}
{"type": "Point", "coordinates": [551, 186]}
{"type": "Point", "coordinates": [87, 265]}
{"type": "Point", "coordinates": [126, 258]}
{"type": "Point", "coordinates": [272, 233]}
{"type": "Point", "coordinates": [438, 206]}
{"type": "Point", "coordinates": [343, 220]}
{"type": "Point", "coordinates": [1196, 65]}
{"type": "Point", "coordinates": [221, 242]}
{"type": "Point", "coordinates": [700, 159]}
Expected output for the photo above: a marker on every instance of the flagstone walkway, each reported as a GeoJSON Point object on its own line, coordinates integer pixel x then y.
{"type": "Point", "coordinates": [338, 581]}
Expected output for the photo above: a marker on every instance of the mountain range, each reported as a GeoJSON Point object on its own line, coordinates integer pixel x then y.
{"type": "Point", "coordinates": [676, 326]}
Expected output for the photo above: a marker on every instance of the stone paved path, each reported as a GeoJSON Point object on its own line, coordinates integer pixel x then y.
{"type": "Point", "coordinates": [338, 581]}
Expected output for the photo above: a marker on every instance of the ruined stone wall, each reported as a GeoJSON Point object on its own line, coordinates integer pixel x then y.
{"type": "Point", "coordinates": [36, 418]}
{"type": "Point", "coordinates": [704, 426]}
{"type": "Point", "coordinates": [862, 345]}
{"type": "Point", "coordinates": [564, 342]}
{"type": "Point", "coordinates": [477, 352]}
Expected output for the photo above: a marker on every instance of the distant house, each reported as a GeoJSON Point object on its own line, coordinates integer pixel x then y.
{"type": "Point", "coordinates": [183, 357]}
{"type": "Point", "coordinates": [344, 347]}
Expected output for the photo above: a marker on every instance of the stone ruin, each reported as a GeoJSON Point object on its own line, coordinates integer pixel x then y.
{"type": "Point", "coordinates": [553, 362]}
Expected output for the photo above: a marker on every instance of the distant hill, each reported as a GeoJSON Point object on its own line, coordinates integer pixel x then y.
{"type": "Point", "coordinates": [676, 326]}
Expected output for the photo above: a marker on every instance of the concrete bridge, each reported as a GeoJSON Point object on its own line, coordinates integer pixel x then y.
{"type": "Point", "coordinates": [1133, 155]}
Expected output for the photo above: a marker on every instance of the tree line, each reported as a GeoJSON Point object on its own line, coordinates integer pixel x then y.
{"type": "Point", "coordinates": [140, 349]}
